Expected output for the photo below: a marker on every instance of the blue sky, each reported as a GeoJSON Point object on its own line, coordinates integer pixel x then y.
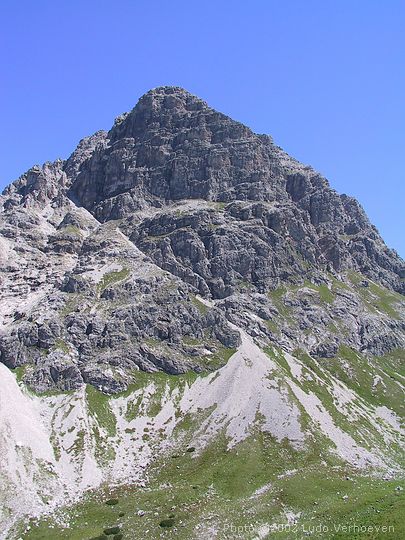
{"type": "Point", "coordinates": [325, 78]}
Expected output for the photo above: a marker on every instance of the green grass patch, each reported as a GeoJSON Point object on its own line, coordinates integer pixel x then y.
{"type": "Point", "coordinates": [272, 326]}
{"type": "Point", "coordinates": [71, 229]}
{"type": "Point", "coordinates": [61, 345]}
{"type": "Point", "coordinates": [202, 308]}
{"type": "Point", "coordinates": [19, 373]}
{"type": "Point", "coordinates": [326, 294]}
{"type": "Point", "coordinates": [220, 205]}
{"type": "Point", "coordinates": [217, 359]}
{"type": "Point", "coordinates": [98, 404]}
{"type": "Point", "coordinates": [189, 340]}
{"type": "Point", "coordinates": [73, 300]}
{"type": "Point", "coordinates": [111, 278]}
{"type": "Point", "coordinates": [278, 356]}
{"type": "Point", "coordinates": [277, 297]}
{"type": "Point", "coordinates": [219, 486]}
{"type": "Point", "coordinates": [358, 373]}
{"type": "Point", "coordinates": [377, 297]}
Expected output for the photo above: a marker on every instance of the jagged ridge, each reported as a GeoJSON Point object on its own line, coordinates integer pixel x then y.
{"type": "Point", "coordinates": [106, 253]}
{"type": "Point", "coordinates": [181, 242]}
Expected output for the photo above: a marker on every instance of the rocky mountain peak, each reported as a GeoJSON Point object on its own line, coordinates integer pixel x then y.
{"type": "Point", "coordinates": [110, 255]}
{"type": "Point", "coordinates": [170, 98]}
{"type": "Point", "coordinates": [178, 287]}
{"type": "Point", "coordinates": [159, 108]}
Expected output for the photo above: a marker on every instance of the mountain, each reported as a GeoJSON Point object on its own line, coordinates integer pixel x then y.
{"type": "Point", "coordinates": [198, 328]}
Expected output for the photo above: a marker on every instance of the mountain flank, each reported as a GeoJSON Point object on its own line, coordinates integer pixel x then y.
{"type": "Point", "coordinates": [196, 325]}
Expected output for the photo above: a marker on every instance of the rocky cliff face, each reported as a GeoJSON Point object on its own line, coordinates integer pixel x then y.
{"type": "Point", "coordinates": [187, 309]}
{"type": "Point", "coordinates": [106, 257]}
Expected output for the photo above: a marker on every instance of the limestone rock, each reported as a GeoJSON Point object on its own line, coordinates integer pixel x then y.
{"type": "Point", "coordinates": [140, 249]}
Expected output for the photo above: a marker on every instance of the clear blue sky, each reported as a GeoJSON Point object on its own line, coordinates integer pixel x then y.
{"type": "Point", "coordinates": [326, 78]}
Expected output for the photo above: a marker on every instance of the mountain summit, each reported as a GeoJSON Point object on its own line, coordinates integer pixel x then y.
{"type": "Point", "coordinates": [181, 280]}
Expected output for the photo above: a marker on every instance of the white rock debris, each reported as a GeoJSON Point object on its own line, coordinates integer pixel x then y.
{"type": "Point", "coordinates": [60, 443]}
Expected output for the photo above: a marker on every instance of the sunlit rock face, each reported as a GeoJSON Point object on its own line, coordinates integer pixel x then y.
{"type": "Point", "coordinates": [105, 254]}
{"type": "Point", "coordinates": [180, 280]}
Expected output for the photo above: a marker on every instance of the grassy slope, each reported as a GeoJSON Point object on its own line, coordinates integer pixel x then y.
{"type": "Point", "coordinates": [216, 490]}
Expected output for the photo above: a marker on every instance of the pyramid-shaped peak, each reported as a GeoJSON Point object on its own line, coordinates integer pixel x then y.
{"type": "Point", "coordinates": [170, 97]}
{"type": "Point", "coordinates": [169, 90]}
{"type": "Point", "coordinates": [171, 108]}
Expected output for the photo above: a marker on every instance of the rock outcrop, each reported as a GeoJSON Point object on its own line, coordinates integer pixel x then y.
{"type": "Point", "coordinates": [107, 258]}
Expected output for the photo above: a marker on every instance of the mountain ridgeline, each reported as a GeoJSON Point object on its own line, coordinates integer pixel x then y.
{"type": "Point", "coordinates": [180, 287]}
{"type": "Point", "coordinates": [107, 251]}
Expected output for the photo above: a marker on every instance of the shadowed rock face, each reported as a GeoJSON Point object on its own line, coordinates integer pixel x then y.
{"type": "Point", "coordinates": [103, 255]}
